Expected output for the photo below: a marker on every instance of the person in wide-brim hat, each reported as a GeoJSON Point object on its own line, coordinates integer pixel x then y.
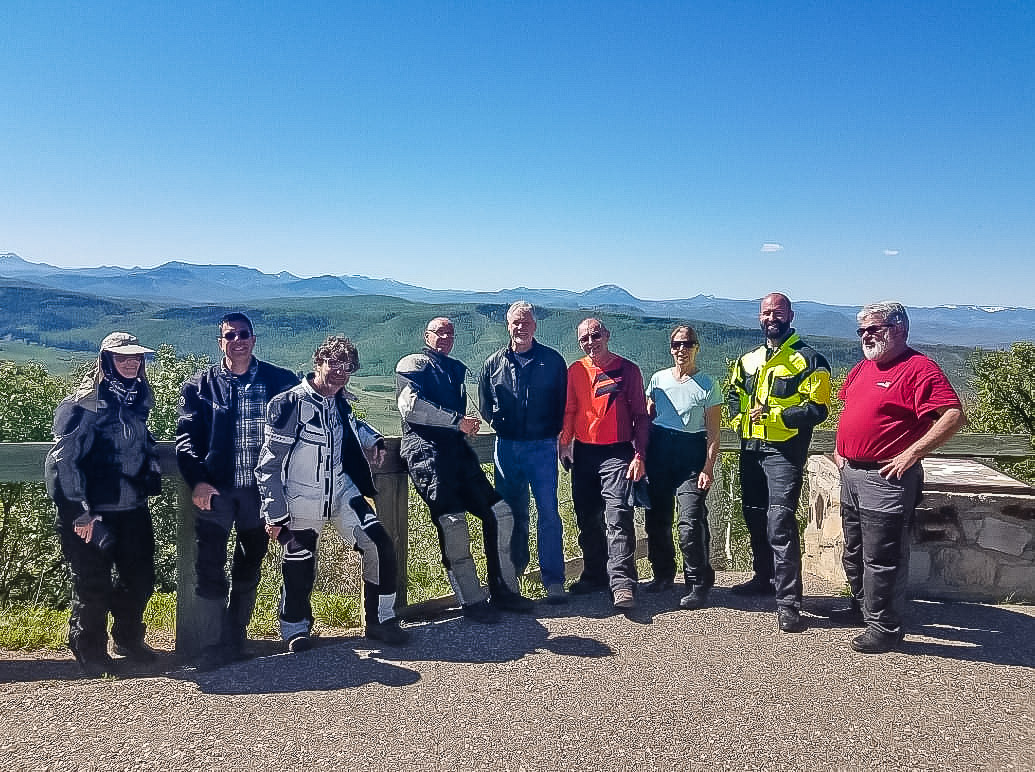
{"type": "Point", "coordinates": [102, 468]}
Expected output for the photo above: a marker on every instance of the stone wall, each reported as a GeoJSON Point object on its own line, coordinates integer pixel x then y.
{"type": "Point", "coordinates": [973, 539]}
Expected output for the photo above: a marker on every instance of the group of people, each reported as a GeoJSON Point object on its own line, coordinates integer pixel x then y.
{"type": "Point", "coordinates": [273, 457]}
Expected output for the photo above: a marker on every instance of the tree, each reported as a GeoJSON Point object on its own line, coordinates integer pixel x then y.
{"type": "Point", "coordinates": [1003, 400]}
{"type": "Point", "coordinates": [166, 375]}
{"type": "Point", "coordinates": [31, 566]}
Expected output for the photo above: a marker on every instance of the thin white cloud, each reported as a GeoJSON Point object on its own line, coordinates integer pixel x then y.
{"type": "Point", "coordinates": [891, 252]}
{"type": "Point", "coordinates": [772, 246]}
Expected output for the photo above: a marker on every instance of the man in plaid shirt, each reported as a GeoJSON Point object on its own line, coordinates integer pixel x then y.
{"type": "Point", "coordinates": [218, 436]}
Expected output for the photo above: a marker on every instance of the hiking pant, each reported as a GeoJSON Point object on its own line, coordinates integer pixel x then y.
{"type": "Point", "coordinates": [238, 508]}
{"type": "Point", "coordinates": [674, 461]}
{"type": "Point", "coordinates": [600, 493]}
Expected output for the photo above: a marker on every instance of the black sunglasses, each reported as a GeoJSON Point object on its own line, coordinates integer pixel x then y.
{"type": "Point", "coordinates": [873, 329]}
{"type": "Point", "coordinates": [683, 343]}
{"type": "Point", "coordinates": [233, 335]}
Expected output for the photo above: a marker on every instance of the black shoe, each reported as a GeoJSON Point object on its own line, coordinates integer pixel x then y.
{"type": "Point", "coordinates": [96, 664]}
{"type": "Point", "coordinates": [789, 620]}
{"type": "Point", "coordinates": [299, 643]}
{"type": "Point", "coordinates": [508, 600]}
{"type": "Point", "coordinates": [211, 658]}
{"type": "Point", "coordinates": [235, 646]}
{"type": "Point", "coordinates": [695, 599]}
{"type": "Point", "coordinates": [482, 613]}
{"type": "Point", "coordinates": [137, 651]}
{"type": "Point", "coordinates": [756, 585]}
{"type": "Point", "coordinates": [851, 616]}
{"type": "Point", "coordinates": [659, 584]}
{"type": "Point", "coordinates": [585, 587]}
{"type": "Point", "coordinates": [875, 642]}
{"type": "Point", "coordinates": [237, 652]}
{"type": "Point", "coordinates": [388, 632]}
{"type": "Point", "coordinates": [555, 594]}
{"type": "Point", "coordinates": [624, 598]}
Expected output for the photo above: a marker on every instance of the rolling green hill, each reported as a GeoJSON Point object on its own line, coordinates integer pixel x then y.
{"type": "Point", "coordinates": [61, 326]}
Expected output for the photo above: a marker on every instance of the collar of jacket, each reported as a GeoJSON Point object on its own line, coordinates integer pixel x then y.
{"type": "Point", "coordinates": [510, 353]}
{"type": "Point", "coordinates": [788, 342]}
{"type": "Point", "coordinates": [338, 398]}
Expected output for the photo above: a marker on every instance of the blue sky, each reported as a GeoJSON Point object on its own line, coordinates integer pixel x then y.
{"type": "Point", "coordinates": [840, 152]}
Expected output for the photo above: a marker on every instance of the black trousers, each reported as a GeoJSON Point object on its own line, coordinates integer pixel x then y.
{"type": "Point", "coordinates": [96, 592]}
{"type": "Point", "coordinates": [674, 461]}
{"type": "Point", "coordinates": [237, 507]}
{"type": "Point", "coordinates": [770, 486]}
{"type": "Point", "coordinates": [600, 494]}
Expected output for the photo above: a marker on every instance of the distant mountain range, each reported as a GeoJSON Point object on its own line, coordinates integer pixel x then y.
{"type": "Point", "coordinates": [190, 284]}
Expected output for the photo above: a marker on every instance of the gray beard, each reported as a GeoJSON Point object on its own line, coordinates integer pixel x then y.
{"type": "Point", "coordinates": [875, 351]}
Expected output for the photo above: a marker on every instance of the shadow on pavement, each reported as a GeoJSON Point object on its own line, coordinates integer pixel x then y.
{"type": "Point", "coordinates": [452, 638]}
{"type": "Point", "coordinates": [970, 632]}
{"type": "Point", "coordinates": [333, 664]}
{"type": "Point", "coordinates": [39, 669]}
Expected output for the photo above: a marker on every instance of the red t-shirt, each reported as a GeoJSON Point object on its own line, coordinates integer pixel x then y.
{"type": "Point", "coordinates": [890, 406]}
{"type": "Point", "coordinates": [606, 406]}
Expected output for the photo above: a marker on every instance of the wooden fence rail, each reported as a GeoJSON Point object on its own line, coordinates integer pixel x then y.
{"type": "Point", "coordinates": [23, 462]}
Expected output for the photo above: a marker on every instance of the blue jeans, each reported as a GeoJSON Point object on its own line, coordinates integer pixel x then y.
{"type": "Point", "coordinates": [524, 464]}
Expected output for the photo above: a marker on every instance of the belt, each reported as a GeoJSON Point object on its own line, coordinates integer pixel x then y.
{"type": "Point", "coordinates": [865, 464]}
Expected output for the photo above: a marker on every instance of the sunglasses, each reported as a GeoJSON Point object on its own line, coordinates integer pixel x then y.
{"type": "Point", "coordinates": [233, 335]}
{"type": "Point", "coordinates": [341, 367]}
{"type": "Point", "coordinates": [591, 336]}
{"type": "Point", "coordinates": [873, 329]}
{"type": "Point", "coordinates": [683, 343]}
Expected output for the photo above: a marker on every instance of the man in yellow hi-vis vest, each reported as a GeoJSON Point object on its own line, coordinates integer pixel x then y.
{"type": "Point", "coordinates": [778, 393]}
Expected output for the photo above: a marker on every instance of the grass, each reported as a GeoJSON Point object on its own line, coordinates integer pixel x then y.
{"type": "Point", "coordinates": [33, 627]}
{"type": "Point", "coordinates": [336, 596]}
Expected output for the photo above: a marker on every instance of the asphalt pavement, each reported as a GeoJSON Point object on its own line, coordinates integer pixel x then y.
{"type": "Point", "coordinates": [573, 687]}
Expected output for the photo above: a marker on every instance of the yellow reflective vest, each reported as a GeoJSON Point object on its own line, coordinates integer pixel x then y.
{"type": "Point", "coordinates": [792, 385]}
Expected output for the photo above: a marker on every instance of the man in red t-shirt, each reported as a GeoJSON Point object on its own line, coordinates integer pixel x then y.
{"type": "Point", "coordinates": [898, 407]}
{"type": "Point", "coordinates": [603, 442]}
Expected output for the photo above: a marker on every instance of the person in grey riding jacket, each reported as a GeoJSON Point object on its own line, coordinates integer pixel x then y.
{"type": "Point", "coordinates": [313, 469]}
{"type": "Point", "coordinates": [445, 471]}
{"type": "Point", "coordinates": [102, 468]}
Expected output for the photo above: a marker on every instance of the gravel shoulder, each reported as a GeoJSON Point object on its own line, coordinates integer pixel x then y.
{"type": "Point", "coordinates": [567, 687]}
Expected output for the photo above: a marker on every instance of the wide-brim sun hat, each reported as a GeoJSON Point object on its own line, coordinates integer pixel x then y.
{"type": "Point", "coordinates": [124, 343]}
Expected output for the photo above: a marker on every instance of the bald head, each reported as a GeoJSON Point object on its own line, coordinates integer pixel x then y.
{"type": "Point", "coordinates": [593, 339]}
{"type": "Point", "coordinates": [775, 317]}
{"type": "Point", "coordinates": [439, 335]}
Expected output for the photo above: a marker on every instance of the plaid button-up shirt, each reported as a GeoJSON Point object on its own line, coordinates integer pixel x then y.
{"type": "Point", "coordinates": [250, 397]}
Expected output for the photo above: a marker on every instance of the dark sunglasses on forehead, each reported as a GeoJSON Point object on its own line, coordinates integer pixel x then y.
{"type": "Point", "coordinates": [591, 336]}
{"type": "Point", "coordinates": [684, 343]}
